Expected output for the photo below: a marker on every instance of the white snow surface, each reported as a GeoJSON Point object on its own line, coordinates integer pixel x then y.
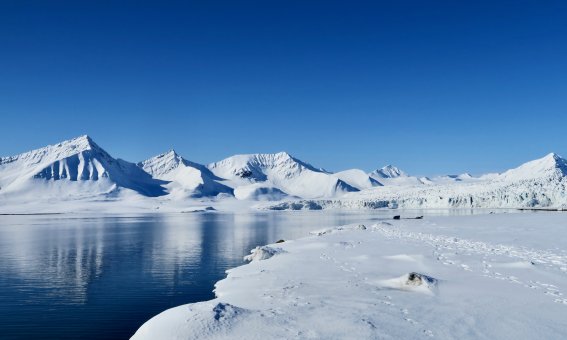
{"type": "Point", "coordinates": [494, 276]}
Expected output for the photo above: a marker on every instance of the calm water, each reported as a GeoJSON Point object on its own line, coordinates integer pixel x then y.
{"type": "Point", "coordinates": [101, 278]}
{"type": "Point", "coordinates": [64, 277]}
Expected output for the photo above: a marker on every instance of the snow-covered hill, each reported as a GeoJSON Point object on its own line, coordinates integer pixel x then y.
{"type": "Point", "coordinates": [73, 168]}
{"type": "Point", "coordinates": [186, 178]}
{"type": "Point", "coordinates": [281, 171]}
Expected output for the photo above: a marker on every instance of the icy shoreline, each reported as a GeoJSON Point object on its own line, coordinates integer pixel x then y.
{"type": "Point", "coordinates": [492, 276]}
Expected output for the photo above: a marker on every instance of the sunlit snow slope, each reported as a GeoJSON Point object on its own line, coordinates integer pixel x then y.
{"type": "Point", "coordinates": [77, 167]}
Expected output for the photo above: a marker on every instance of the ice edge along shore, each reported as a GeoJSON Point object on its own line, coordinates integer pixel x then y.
{"type": "Point", "coordinates": [443, 277]}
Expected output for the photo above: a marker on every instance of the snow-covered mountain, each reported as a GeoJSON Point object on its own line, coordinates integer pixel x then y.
{"type": "Point", "coordinates": [280, 171]}
{"type": "Point", "coordinates": [185, 178]}
{"type": "Point", "coordinates": [393, 176]}
{"type": "Point", "coordinates": [79, 169]}
{"type": "Point", "coordinates": [539, 183]}
{"type": "Point", "coordinates": [389, 171]}
{"type": "Point", "coordinates": [73, 168]}
{"type": "Point", "coordinates": [551, 166]}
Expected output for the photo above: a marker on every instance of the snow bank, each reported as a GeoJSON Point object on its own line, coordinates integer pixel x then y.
{"type": "Point", "coordinates": [263, 253]}
{"type": "Point", "coordinates": [444, 277]}
{"type": "Point", "coordinates": [414, 282]}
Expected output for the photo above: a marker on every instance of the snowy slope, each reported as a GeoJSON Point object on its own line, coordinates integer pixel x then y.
{"type": "Point", "coordinates": [281, 171]}
{"type": "Point", "coordinates": [77, 167]}
{"type": "Point", "coordinates": [358, 179]}
{"type": "Point", "coordinates": [551, 167]}
{"type": "Point", "coordinates": [186, 179]}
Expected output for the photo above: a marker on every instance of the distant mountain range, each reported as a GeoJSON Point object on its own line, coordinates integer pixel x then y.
{"type": "Point", "coordinates": [79, 169]}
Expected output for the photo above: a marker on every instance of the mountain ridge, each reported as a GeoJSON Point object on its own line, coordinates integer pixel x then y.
{"type": "Point", "coordinates": [81, 168]}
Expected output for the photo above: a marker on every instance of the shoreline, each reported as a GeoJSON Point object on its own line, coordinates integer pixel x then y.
{"type": "Point", "coordinates": [357, 281]}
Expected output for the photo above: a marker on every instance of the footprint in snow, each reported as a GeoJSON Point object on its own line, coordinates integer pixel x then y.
{"type": "Point", "coordinates": [428, 333]}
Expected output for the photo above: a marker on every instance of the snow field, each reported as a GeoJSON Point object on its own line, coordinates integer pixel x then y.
{"type": "Point", "coordinates": [461, 277]}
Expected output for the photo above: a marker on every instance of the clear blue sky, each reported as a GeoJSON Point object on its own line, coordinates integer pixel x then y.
{"type": "Point", "coordinates": [431, 86]}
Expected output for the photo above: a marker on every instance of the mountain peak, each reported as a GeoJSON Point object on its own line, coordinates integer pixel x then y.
{"type": "Point", "coordinates": [81, 143]}
{"type": "Point", "coordinates": [162, 163]}
{"type": "Point", "coordinates": [390, 171]}
{"type": "Point", "coordinates": [550, 165]}
{"type": "Point", "coordinates": [172, 153]}
{"type": "Point", "coordinates": [82, 139]}
{"type": "Point", "coordinates": [56, 151]}
{"type": "Point", "coordinates": [169, 156]}
{"type": "Point", "coordinates": [552, 156]}
{"type": "Point", "coordinates": [551, 160]}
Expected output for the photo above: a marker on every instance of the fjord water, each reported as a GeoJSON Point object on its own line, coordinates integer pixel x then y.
{"type": "Point", "coordinates": [69, 277]}
{"type": "Point", "coordinates": [102, 277]}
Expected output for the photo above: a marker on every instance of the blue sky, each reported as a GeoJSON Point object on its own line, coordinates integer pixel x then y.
{"type": "Point", "coordinates": [433, 87]}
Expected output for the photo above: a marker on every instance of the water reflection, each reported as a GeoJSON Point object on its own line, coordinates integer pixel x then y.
{"type": "Point", "coordinates": [64, 277]}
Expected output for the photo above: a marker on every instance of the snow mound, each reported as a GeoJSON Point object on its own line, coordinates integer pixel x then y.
{"type": "Point", "coordinates": [328, 231]}
{"type": "Point", "coordinates": [210, 320]}
{"type": "Point", "coordinates": [226, 311]}
{"type": "Point", "coordinates": [406, 258]}
{"type": "Point", "coordinates": [414, 282]}
{"type": "Point", "coordinates": [263, 253]}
